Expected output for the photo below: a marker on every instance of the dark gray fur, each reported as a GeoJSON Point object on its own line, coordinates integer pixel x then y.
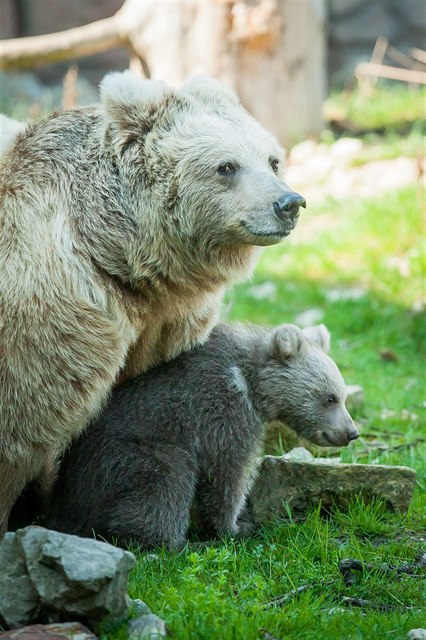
{"type": "Point", "coordinates": [193, 428]}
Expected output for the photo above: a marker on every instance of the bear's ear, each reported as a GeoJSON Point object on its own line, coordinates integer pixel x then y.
{"type": "Point", "coordinates": [131, 103]}
{"type": "Point", "coordinates": [287, 341]}
{"type": "Point", "coordinates": [209, 90]}
{"type": "Point", "coordinates": [319, 335]}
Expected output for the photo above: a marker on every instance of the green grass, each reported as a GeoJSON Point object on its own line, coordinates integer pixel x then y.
{"type": "Point", "coordinates": [387, 106]}
{"type": "Point", "coordinates": [222, 593]}
{"type": "Point", "coordinates": [390, 120]}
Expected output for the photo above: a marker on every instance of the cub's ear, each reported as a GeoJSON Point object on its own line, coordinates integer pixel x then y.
{"type": "Point", "coordinates": [131, 103]}
{"type": "Point", "coordinates": [209, 90]}
{"type": "Point", "coordinates": [286, 341]}
{"type": "Point", "coordinates": [319, 335]}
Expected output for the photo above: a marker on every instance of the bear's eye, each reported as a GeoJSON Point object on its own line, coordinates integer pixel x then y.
{"type": "Point", "coordinates": [332, 399]}
{"type": "Point", "coordinates": [226, 169]}
{"type": "Point", "coordinates": [274, 164]}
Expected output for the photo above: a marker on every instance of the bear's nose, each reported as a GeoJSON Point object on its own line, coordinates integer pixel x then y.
{"type": "Point", "coordinates": [288, 205]}
{"type": "Point", "coordinates": [353, 434]}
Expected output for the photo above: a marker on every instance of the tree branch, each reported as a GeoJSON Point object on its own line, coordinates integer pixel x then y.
{"type": "Point", "coordinates": [18, 53]}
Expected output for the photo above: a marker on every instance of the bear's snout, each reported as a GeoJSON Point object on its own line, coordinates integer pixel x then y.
{"type": "Point", "coordinates": [287, 206]}
{"type": "Point", "coordinates": [339, 437]}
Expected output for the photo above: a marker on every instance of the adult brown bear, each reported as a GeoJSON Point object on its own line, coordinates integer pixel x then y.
{"type": "Point", "coordinates": [120, 225]}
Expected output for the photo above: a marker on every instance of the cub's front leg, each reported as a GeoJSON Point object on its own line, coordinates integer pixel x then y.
{"type": "Point", "coordinates": [228, 472]}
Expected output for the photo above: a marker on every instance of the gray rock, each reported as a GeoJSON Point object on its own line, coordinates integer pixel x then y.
{"type": "Point", "coordinates": [69, 576]}
{"type": "Point", "coordinates": [303, 483]}
{"type": "Point", "coordinates": [355, 398]}
{"type": "Point", "coordinates": [416, 634]}
{"type": "Point", "coordinates": [150, 557]}
{"type": "Point", "coordinates": [19, 602]}
{"type": "Point", "coordinates": [309, 317]}
{"type": "Point", "coordinates": [77, 575]}
{"type": "Point", "coordinates": [139, 608]}
{"type": "Point", "coordinates": [347, 148]}
{"type": "Point", "coordinates": [298, 454]}
{"type": "Point", "coordinates": [149, 627]}
{"type": "Point", "coordinates": [301, 454]}
{"type": "Point", "coordinates": [71, 630]}
{"type": "Point", "coordinates": [331, 460]}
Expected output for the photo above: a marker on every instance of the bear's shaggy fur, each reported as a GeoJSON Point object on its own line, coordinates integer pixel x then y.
{"type": "Point", "coordinates": [193, 428]}
{"type": "Point", "coordinates": [120, 224]}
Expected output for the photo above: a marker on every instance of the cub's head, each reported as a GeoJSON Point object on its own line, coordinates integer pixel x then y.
{"type": "Point", "coordinates": [303, 387]}
{"type": "Point", "coordinates": [206, 168]}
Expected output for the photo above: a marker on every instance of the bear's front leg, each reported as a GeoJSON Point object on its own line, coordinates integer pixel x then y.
{"type": "Point", "coordinates": [231, 437]}
{"type": "Point", "coordinates": [12, 481]}
{"type": "Point", "coordinates": [151, 507]}
{"type": "Point", "coordinates": [221, 496]}
{"type": "Point", "coordinates": [13, 478]}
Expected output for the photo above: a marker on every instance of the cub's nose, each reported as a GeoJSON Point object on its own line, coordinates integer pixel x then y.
{"type": "Point", "coordinates": [288, 205]}
{"type": "Point", "coordinates": [353, 434]}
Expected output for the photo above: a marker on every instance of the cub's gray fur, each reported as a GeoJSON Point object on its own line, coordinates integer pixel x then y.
{"type": "Point", "coordinates": [194, 428]}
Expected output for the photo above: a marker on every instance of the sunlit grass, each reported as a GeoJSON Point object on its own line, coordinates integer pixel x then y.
{"type": "Point", "coordinates": [387, 106]}
{"type": "Point", "coordinates": [226, 592]}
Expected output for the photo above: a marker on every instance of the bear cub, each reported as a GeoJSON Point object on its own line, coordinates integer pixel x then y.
{"type": "Point", "coordinates": [193, 429]}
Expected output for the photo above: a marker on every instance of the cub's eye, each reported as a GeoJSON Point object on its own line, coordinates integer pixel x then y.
{"type": "Point", "coordinates": [331, 399]}
{"type": "Point", "coordinates": [274, 165]}
{"type": "Point", "coordinates": [226, 169]}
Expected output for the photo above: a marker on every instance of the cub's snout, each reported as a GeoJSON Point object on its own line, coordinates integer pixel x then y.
{"type": "Point", "coordinates": [341, 430]}
{"type": "Point", "coordinates": [338, 438]}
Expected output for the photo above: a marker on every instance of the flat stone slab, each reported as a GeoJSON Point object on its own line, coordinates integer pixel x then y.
{"type": "Point", "coordinates": [300, 484]}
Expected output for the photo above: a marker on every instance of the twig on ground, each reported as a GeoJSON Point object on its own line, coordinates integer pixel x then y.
{"type": "Point", "coordinates": [367, 604]}
{"type": "Point", "coordinates": [280, 600]}
{"type": "Point", "coordinates": [348, 566]}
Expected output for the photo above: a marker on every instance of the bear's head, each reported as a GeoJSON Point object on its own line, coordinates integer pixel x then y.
{"type": "Point", "coordinates": [304, 388]}
{"type": "Point", "coordinates": [197, 164]}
